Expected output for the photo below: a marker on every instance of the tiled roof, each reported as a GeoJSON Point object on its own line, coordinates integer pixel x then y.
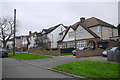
{"type": "Point", "coordinates": [49, 30]}
{"type": "Point", "coordinates": [90, 22]}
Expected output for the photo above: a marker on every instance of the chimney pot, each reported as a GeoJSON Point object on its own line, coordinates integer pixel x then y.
{"type": "Point", "coordinates": [82, 19]}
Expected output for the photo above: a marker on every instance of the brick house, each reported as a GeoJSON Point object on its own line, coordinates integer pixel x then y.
{"type": "Point", "coordinates": [91, 32]}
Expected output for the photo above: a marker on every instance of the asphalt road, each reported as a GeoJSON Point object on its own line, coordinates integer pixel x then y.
{"type": "Point", "coordinates": [12, 68]}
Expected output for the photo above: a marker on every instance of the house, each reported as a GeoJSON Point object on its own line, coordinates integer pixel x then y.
{"type": "Point", "coordinates": [31, 39]}
{"type": "Point", "coordinates": [54, 34]}
{"type": "Point", "coordinates": [25, 41]}
{"type": "Point", "coordinates": [91, 32]}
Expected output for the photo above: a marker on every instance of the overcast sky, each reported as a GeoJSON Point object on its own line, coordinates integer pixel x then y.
{"type": "Point", "coordinates": [35, 16]}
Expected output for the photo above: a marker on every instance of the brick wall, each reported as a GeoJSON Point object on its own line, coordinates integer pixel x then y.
{"type": "Point", "coordinates": [113, 43]}
{"type": "Point", "coordinates": [88, 53]}
{"type": "Point", "coordinates": [47, 52]}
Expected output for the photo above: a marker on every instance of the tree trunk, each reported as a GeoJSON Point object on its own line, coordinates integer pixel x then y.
{"type": "Point", "coordinates": [4, 44]}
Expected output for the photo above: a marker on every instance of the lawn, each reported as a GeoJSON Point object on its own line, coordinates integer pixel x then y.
{"type": "Point", "coordinates": [25, 56]}
{"type": "Point", "coordinates": [10, 51]}
{"type": "Point", "coordinates": [64, 54]}
{"type": "Point", "coordinates": [90, 69]}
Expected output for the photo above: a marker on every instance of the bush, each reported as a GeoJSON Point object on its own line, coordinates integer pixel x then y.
{"type": "Point", "coordinates": [23, 48]}
{"type": "Point", "coordinates": [42, 49]}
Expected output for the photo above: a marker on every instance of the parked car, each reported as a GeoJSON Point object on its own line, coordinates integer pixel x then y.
{"type": "Point", "coordinates": [3, 53]}
{"type": "Point", "coordinates": [105, 52]}
{"type": "Point", "coordinates": [74, 52]}
{"type": "Point", "coordinates": [81, 48]}
{"type": "Point", "coordinates": [114, 49]}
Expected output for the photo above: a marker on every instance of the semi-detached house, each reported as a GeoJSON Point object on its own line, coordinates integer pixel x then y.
{"type": "Point", "coordinates": [91, 32]}
{"type": "Point", "coordinates": [53, 34]}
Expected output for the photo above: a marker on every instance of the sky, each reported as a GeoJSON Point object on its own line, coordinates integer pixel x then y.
{"type": "Point", "coordinates": [35, 16]}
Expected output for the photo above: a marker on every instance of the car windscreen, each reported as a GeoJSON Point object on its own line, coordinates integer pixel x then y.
{"type": "Point", "coordinates": [114, 48]}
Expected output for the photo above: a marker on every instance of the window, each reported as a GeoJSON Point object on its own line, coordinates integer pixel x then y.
{"type": "Point", "coordinates": [80, 32]}
{"type": "Point", "coordinates": [70, 44]}
{"type": "Point", "coordinates": [71, 34]}
{"type": "Point", "coordinates": [63, 45]}
{"type": "Point", "coordinates": [110, 32]}
{"type": "Point", "coordinates": [98, 29]}
{"type": "Point", "coordinates": [81, 43]}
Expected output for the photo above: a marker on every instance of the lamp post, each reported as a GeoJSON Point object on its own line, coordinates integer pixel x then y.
{"type": "Point", "coordinates": [14, 32]}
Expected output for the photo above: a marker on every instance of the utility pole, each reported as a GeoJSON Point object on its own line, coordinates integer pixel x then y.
{"type": "Point", "coordinates": [14, 32]}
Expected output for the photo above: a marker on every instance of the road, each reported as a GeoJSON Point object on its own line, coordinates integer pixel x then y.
{"type": "Point", "coordinates": [13, 68]}
{"type": "Point", "coordinates": [38, 68]}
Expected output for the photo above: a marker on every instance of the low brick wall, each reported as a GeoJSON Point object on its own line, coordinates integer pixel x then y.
{"type": "Point", "coordinates": [88, 53]}
{"type": "Point", "coordinates": [47, 52]}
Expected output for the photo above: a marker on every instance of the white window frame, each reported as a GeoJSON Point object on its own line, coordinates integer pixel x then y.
{"type": "Point", "coordinates": [80, 32]}
{"type": "Point", "coordinates": [82, 43]}
{"type": "Point", "coordinates": [98, 29]}
{"type": "Point", "coordinates": [71, 34]}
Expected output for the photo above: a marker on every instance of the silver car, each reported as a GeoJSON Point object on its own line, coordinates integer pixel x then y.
{"type": "Point", "coordinates": [105, 52]}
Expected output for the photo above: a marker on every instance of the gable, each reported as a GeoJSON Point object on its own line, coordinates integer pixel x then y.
{"type": "Point", "coordinates": [67, 36]}
{"type": "Point", "coordinates": [82, 33]}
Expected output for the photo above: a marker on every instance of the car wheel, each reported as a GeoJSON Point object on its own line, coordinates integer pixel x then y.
{"type": "Point", "coordinates": [104, 55]}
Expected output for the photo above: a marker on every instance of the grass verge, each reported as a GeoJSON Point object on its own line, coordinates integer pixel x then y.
{"type": "Point", "coordinates": [65, 54]}
{"type": "Point", "coordinates": [90, 69]}
{"type": "Point", "coordinates": [25, 56]}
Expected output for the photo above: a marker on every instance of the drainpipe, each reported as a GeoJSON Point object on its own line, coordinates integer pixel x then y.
{"type": "Point", "coordinates": [75, 41]}
{"type": "Point", "coordinates": [101, 33]}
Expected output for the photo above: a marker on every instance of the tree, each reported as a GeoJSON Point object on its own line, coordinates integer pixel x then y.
{"type": "Point", "coordinates": [6, 29]}
{"type": "Point", "coordinates": [42, 41]}
{"type": "Point", "coordinates": [118, 29]}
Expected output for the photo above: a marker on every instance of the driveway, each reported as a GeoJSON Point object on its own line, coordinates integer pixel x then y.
{"type": "Point", "coordinates": [58, 60]}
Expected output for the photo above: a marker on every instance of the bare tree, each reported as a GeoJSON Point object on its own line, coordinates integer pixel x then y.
{"type": "Point", "coordinates": [6, 29]}
{"type": "Point", "coordinates": [42, 41]}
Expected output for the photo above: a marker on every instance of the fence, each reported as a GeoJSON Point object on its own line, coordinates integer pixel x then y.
{"type": "Point", "coordinates": [113, 56]}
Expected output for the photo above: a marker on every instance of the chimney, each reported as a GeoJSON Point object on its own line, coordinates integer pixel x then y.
{"type": "Point", "coordinates": [82, 19]}
{"type": "Point", "coordinates": [30, 32]}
